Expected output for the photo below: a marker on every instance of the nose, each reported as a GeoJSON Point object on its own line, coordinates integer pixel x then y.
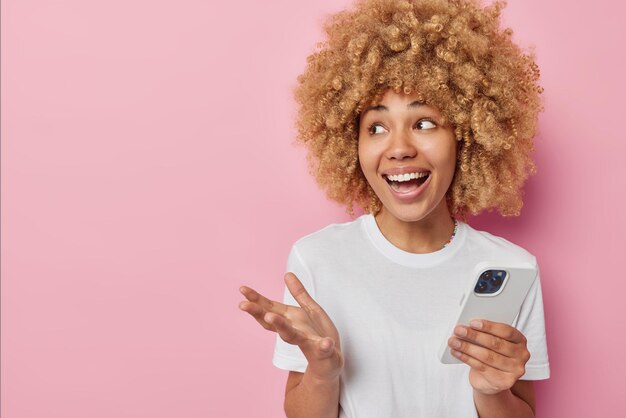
{"type": "Point", "coordinates": [401, 146]}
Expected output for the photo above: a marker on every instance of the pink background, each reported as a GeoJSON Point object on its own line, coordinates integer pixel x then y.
{"type": "Point", "coordinates": [148, 171]}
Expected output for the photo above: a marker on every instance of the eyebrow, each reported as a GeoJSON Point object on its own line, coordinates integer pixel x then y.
{"type": "Point", "coordinates": [412, 105]}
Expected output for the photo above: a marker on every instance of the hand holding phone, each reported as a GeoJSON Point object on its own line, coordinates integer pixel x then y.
{"type": "Point", "coordinates": [495, 293]}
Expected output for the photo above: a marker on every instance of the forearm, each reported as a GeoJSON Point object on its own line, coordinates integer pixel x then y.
{"type": "Point", "coordinates": [502, 405]}
{"type": "Point", "coordinates": [313, 398]}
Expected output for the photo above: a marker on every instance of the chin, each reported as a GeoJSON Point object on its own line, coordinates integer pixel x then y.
{"type": "Point", "coordinates": [414, 211]}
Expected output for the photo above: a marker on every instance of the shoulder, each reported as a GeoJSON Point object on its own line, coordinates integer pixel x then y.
{"type": "Point", "coordinates": [332, 238]}
{"type": "Point", "coordinates": [497, 246]}
{"type": "Point", "coordinates": [330, 234]}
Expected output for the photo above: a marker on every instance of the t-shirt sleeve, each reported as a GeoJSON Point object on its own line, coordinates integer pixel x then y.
{"type": "Point", "coordinates": [288, 356]}
{"type": "Point", "coordinates": [530, 322]}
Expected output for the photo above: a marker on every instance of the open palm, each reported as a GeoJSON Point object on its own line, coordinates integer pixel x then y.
{"type": "Point", "coordinates": [307, 326]}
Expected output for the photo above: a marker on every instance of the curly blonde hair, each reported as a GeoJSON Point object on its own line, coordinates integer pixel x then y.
{"type": "Point", "coordinates": [455, 56]}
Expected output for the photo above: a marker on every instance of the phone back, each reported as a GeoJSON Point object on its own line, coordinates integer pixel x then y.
{"type": "Point", "coordinates": [501, 306]}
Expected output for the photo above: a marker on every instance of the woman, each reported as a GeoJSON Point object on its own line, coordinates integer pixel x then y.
{"type": "Point", "coordinates": [420, 112]}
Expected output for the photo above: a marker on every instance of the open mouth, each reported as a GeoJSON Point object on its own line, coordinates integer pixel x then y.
{"type": "Point", "coordinates": [407, 186]}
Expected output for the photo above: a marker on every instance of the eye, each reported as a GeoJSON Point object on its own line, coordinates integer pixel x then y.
{"type": "Point", "coordinates": [372, 128]}
{"type": "Point", "coordinates": [425, 124]}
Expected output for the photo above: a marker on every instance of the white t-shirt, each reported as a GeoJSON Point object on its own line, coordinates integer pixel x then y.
{"type": "Point", "coordinates": [392, 309]}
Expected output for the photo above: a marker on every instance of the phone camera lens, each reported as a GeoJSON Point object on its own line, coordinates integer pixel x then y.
{"type": "Point", "coordinates": [496, 281]}
{"type": "Point", "coordinates": [481, 286]}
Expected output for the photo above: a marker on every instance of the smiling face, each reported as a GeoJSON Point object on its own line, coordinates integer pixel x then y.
{"type": "Point", "coordinates": [403, 138]}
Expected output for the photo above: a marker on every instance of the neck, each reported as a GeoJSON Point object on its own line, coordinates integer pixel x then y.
{"type": "Point", "coordinates": [426, 235]}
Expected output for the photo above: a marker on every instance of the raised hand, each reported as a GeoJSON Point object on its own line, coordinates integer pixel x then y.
{"type": "Point", "coordinates": [496, 353]}
{"type": "Point", "coordinates": [307, 326]}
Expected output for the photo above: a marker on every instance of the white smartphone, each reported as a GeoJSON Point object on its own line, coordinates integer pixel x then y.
{"type": "Point", "coordinates": [495, 293]}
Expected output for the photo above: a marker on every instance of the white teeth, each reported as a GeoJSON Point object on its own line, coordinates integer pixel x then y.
{"type": "Point", "coordinates": [406, 177]}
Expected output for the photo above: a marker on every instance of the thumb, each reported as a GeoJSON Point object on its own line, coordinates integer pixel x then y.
{"type": "Point", "coordinates": [326, 347]}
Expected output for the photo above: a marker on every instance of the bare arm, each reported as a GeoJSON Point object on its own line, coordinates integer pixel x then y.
{"type": "Point", "coordinates": [307, 396]}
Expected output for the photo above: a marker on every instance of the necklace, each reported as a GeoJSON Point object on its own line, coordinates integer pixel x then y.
{"type": "Point", "coordinates": [456, 224]}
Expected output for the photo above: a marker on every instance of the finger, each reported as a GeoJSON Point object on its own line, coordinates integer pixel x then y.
{"type": "Point", "coordinates": [484, 355]}
{"type": "Point", "coordinates": [298, 291]}
{"type": "Point", "coordinates": [267, 304]}
{"type": "Point", "coordinates": [490, 341]}
{"type": "Point", "coordinates": [471, 361]}
{"type": "Point", "coordinates": [326, 345]}
{"type": "Point", "coordinates": [498, 329]}
{"type": "Point", "coordinates": [285, 330]}
{"type": "Point", "coordinates": [257, 312]}
{"type": "Point", "coordinates": [325, 348]}
{"type": "Point", "coordinates": [494, 376]}
{"type": "Point", "coordinates": [316, 313]}
{"type": "Point", "coordinates": [320, 348]}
